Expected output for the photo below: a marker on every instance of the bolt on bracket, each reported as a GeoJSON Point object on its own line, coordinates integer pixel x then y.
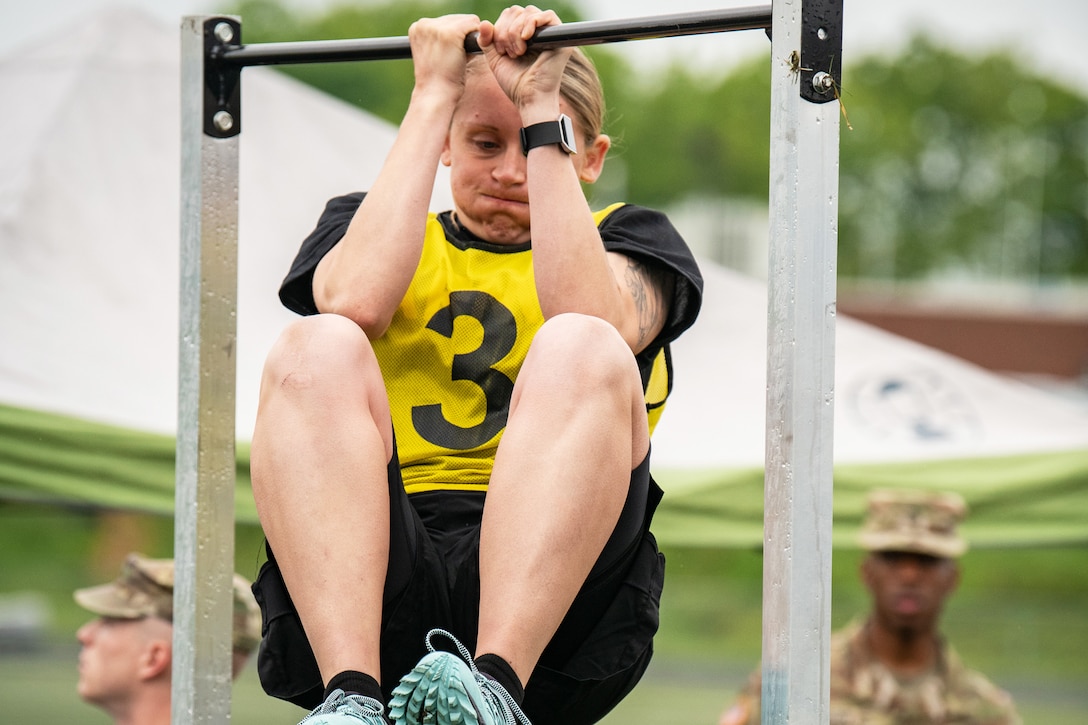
{"type": "Point", "coordinates": [821, 50]}
{"type": "Point", "coordinates": [222, 80]}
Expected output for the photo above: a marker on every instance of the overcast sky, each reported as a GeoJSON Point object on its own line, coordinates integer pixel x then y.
{"type": "Point", "coordinates": [1051, 35]}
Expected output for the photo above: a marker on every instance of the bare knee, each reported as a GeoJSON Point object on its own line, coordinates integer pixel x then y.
{"type": "Point", "coordinates": [322, 357]}
{"type": "Point", "coordinates": [583, 366]}
{"type": "Point", "coordinates": [586, 353]}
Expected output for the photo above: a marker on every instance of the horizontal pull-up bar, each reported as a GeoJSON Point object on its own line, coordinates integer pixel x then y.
{"type": "Point", "coordinates": [593, 32]}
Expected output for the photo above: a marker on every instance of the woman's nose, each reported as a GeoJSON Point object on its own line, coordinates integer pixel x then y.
{"type": "Point", "coordinates": [510, 167]}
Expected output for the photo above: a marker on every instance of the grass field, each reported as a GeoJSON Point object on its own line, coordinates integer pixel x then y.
{"type": "Point", "coordinates": [1020, 617]}
{"type": "Point", "coordinates": [41, 689]}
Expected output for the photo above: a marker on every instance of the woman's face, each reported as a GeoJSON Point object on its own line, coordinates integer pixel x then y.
{"type": "Point", "coordinates": [487, 166]}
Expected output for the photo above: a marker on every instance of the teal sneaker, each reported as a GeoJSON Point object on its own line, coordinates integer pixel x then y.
{"type": "Point", "coordinates": [342, 709]}
{"type": "Point", "coordinates": [445, 690]}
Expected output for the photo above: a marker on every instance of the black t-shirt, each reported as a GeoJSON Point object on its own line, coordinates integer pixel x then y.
{"type": "Point", "coordinates": [644, 234]}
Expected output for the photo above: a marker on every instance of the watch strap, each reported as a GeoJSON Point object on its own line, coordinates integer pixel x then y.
{"type": "Point", "coordinates": [544, 134]}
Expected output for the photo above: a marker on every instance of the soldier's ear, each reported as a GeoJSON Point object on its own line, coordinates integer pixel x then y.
{"type": "Point", "coordinates": [866, 571]}
{"type": "Point", "coordinates": [953, 577]}
{"type": "Point", "coordinates": [155, 659]}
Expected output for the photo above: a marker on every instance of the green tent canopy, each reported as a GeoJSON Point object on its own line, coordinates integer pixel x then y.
{"type": "Point", "coordinates": [1021, 500]}
{"type": "Point", "coordinates": [50, 458]}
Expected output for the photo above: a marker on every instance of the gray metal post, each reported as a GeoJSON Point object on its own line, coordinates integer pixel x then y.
{"type": "Point", "coordinates": [204, 516]}
{"type": "Point", "coordinates": [800, 365]}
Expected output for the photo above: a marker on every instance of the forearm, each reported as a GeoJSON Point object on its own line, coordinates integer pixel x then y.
{"type": "Point", "coordinates": [570, 263]}
{"type": "Point", "coordinates": [574, 272]}
{"type": "Point", "coordinates": [364, 277]}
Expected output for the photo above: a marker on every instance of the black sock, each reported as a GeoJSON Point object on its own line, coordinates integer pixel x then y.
{"type": "Point", "coordinates": [355, 683]}
{"type": "Point", "coordinates": [500, 671]}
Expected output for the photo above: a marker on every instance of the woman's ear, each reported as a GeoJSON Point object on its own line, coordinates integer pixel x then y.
{"type": "Point", "coordinates": [593, 163]}
{"type": "Point", "coordinates": [445, 157]}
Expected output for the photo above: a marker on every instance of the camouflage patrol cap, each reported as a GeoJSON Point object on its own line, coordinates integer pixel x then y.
{"type": "Point", "coordinates": [146, 589]}
{"type": "Point", "coordinates": [921, 522]}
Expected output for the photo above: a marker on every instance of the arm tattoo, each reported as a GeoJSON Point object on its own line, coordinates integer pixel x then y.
{"type": "Point", "coordinates": [650, 287]}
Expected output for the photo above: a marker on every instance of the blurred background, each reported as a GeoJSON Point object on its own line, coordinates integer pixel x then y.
{"type": "Point", "coordinates": [963, 226]}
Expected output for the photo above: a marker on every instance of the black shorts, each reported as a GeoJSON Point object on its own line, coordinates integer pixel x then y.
{"type": "Point", "coordinates": [598, 654]}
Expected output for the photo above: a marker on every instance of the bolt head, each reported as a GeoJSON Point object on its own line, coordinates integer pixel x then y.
{"type": "Point", "coordinates": [223, 121]}
{"type": "Point", "coordinates": [224, 32]}
{"type": "Point", "coordinates": [823, 82]}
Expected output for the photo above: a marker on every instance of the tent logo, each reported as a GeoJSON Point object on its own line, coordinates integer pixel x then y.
{"type": "Point", "coordinates": [921, 406]}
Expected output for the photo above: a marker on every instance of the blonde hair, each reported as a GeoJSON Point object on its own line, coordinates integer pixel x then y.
{"type": "Point", "coordinates": [581, 89]}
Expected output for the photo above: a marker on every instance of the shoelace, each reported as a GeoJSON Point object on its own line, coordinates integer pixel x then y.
{"type": "Point", "coordinates": [498, 694]}
{"type": "Point", "coordinates": [362, 705]}
{"type": "Point", "coordinates": [355, 704]}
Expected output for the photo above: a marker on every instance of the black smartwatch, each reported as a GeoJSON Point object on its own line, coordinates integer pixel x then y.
{"type": "Point", "coordinates": [559, 132]}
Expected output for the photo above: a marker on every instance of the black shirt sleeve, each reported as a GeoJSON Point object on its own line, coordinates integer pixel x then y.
{"type": "Point", "coordinates": [649, 237]}
{"type": "Point", "coordinates": [297, 290]}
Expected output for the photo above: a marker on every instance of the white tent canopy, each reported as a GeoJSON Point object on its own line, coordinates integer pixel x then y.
{"type": "Point", "coordinates": [89, 233]}
{"type": "Point", "coordinates": [896, 400]}
{"type": "Point", "coordinates": [89, 216]}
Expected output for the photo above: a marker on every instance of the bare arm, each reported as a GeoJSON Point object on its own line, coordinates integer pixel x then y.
{"type": "Point", "coordinates": [573, 271]}
{"type": "Point", "coordinates": [364, 277]}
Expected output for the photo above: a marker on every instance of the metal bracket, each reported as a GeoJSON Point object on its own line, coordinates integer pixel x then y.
{"type": "Point", "coordinates": [821, 50]}
{"type": "Point", "coordinates": [222, 80]}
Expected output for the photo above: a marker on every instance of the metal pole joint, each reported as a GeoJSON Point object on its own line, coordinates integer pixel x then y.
{"type": "Point", "coordinates": [821, 50]}
{"type": "Point", "coordinates": [222, 79]}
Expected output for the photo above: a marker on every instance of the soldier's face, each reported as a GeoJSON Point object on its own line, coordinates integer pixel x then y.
{"type": "Point", "coordinates": [909, 589]}
{"type": "Point", "coordinates": [113, 657]}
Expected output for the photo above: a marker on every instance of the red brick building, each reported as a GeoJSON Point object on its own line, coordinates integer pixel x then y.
{"type": "Point", "coordinates": [1021, 339]}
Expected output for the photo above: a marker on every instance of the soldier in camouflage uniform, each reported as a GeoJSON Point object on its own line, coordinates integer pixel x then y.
{"type": "Point", "coordinates": [126, 653]}
{"type": "Point", "coordinates": [894, 667]}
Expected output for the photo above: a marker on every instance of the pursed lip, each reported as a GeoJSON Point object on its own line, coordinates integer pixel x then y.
{"type": "Point", "coordinates": [503, 199]}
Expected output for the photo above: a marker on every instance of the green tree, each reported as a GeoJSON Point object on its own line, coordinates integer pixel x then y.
{"type": "Point", "coordinates": [954, 164]}
{"type": "Point", "coordinates": [961, 164]}
{"type": "Point", "coordinates": [686, 133]}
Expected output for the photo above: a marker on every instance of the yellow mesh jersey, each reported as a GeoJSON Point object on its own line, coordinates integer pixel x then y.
{"type": "Point", "coordinates": [452, 352]}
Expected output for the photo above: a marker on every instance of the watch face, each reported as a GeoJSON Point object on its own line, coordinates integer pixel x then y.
{"type": "Point", "coordinates": [566, 127]}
